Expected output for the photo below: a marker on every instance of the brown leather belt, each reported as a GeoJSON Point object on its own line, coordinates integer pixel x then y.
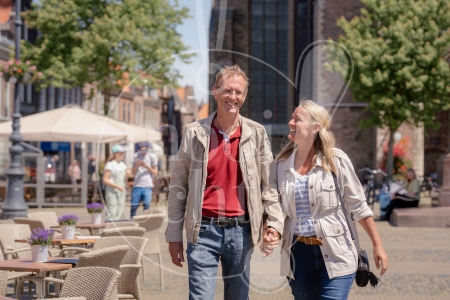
{"type": "Point", "coordinates": [309, 240]}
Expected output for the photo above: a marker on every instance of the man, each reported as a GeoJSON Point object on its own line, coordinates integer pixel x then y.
{"type": "Point", "coordinates": [220, 186]}
{"type": "Point", "coordinates": [145, 166]}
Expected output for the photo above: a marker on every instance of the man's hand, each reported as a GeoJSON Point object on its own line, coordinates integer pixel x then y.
{"type": "Point", "coordinates": [176, 252]}
{"type": "Point", "coordinates": [270, 241]}
{"type": "Point", "coordinates": [139, 163]}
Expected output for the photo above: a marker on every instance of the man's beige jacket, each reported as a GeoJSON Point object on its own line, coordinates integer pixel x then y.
{"type": "Point", "coordinates": [338, 250]}
{"type": "Point", "coordinates": [189, 179]}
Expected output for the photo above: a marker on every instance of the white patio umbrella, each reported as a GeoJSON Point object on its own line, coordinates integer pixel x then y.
{"type": "Point", "coordinates": [69, 123]}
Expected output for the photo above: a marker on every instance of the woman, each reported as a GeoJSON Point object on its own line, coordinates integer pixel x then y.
{"type": "Point", "coordinates": [74, 173]}
{"type": "Point", "coordinates": [115, 178]}
{"type": "Point", "coordinates": [318, 255]}
{"type": "Point", "coordinates": [410, 199]}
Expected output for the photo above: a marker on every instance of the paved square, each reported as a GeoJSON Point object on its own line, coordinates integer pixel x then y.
{"type": "Point", "coordinates": [419, 266]}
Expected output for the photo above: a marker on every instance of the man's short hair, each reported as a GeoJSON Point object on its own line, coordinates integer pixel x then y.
{"type": "Point", "coordinates": [227, 71]}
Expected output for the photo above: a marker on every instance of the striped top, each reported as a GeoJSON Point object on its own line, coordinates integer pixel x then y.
{"type": "Point", "coordinates": [305, 225]}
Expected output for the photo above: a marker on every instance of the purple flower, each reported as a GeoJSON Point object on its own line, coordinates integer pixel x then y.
{"type": "Point", "coordinates": [70, 220]}
{"type": "Point", "coordinates": [41, 236]}
{"type": "Point", "coordinates": [95, 207]}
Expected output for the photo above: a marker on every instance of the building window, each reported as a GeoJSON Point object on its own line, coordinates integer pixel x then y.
{"type": "Point", "coordinates": [268, 42]}
{"type": "Point", "coordinates": [138, 114]}
{"type": "Point", "coordinates": [129, 113]}
{"type": "Point", "coordinates": [124, 111]}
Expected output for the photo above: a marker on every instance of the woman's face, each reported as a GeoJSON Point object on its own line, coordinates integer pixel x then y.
{"type": "Point", "coordinates": [120, 155]}
{"type": "Point", "coordinates": [410, 175]}
{"type": "Point", "coordinates": [301, 127]}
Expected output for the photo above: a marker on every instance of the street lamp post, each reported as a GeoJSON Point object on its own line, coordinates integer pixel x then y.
{"type": "Point", "coordinates": [14, 204]}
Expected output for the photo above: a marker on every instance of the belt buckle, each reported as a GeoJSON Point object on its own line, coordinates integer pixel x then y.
{"type": "Point", "coordinates": [222, 222]}
{"type": "Point", "coordinates": [308, 239]}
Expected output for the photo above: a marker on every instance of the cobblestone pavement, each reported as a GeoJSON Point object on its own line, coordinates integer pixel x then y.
{"type": "Point", "coordinates": [419, 267]}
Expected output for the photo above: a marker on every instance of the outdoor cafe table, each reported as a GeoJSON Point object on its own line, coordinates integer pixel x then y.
{"type": "Point", "coordinates": [27, 265]}
{"type": "Point", "coordinates": [90, 226]}
{"type": "Point", "coordinates": [66, 242]}
{"type": "Point", "coordinates": [6, 298]}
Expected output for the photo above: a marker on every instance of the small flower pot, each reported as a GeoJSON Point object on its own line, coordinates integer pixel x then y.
{"type": "Point", "coordinates": [39, 253]}
{"type": "Point", "coordinates": [68, 232]}
{"type": "Point", "coordinates": [96, 218]}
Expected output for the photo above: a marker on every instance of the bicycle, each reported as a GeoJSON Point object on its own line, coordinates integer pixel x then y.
{"type": "Point", "coordinates": [369, 185]}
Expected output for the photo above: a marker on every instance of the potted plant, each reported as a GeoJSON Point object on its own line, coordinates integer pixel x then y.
{"type": "Point", "coordinates": [95, 209]}
{"type": "Point", "coordinates": [23, 71]}
{"type": "Point", "coordinates": [39, 240]}
{"type": "Point", "coordinates": [68, 223]}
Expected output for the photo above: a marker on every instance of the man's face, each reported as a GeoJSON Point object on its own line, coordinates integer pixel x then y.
{"type": "Point", "coordinates": [231, 95]}
{"type": "Point", "coordinates": [143, 150]}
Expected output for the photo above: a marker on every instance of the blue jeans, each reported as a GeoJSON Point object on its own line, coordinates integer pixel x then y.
{"type": "Point", "coordinates": [139, 194]}
{"type": "Point", "coordinates": [233, 246]}
{"type": "Point", "coordinates": [311, 276]}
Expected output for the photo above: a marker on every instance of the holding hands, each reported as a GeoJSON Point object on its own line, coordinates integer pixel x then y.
{"type": "Point", "coordinates": [270, 241]}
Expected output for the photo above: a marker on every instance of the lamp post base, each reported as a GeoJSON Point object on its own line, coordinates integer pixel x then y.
{"type": "Point", "coordinates": [14, 204]}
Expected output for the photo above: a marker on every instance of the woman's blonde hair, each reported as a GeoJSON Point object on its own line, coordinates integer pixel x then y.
{"type": "Point", "coordinates": [324, 141]}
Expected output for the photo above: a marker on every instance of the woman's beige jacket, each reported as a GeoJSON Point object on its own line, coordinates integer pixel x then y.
{"type": "Point", "coordinates": [338, 250]}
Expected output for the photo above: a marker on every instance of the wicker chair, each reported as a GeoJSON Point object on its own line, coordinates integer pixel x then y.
{"type": "Point", "coordinates": [5, 276]}
{"type": "Point", "coordinates": [110, 225]}
{"type": "Point", "coordinates": [90, 283]}
{"type": "Point", "coordinates": [33, 223]}
{"type": "Point", "coordinates": [8, 234]}
{"type": "Point", "coordinates": [70, 298]}
{"type": "Point", "coordinates": [110, 257]}
{"type": "Point", "coordinates": [152, 224]}
{"type": "Point", "coordinates": [123, 231]}
{"type": "Point", "coordinates": [128, 284]}
{"type": "Point", "coordinates": [48, 218]}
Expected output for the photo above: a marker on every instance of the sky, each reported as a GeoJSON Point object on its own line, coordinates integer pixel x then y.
{"type": "Point", "coordinates": [194, 33]}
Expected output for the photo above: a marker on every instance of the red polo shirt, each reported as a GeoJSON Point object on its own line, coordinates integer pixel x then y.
{"type": "Point", "coordinates": [224, 195]}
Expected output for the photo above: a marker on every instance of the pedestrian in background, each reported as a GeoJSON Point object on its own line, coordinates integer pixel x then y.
{"type": "Point", "coordinates": [74, 173]}
{"type": "Point", "coordinates": [115, 179]}
{"type": "Point", "coordinates": [145, 168]}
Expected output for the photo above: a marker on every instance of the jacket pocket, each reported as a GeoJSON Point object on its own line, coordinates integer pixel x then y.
{"type": "Point", "coordinates": [328, 194]}
{"type": "Point", "coordinates": [335, 236]}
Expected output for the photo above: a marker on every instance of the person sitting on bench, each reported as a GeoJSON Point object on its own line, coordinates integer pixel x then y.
{"type": "Point", "coordinates": [408, 197]}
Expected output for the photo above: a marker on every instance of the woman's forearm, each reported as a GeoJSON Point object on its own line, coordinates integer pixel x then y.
{"type": "Point", "coordinates": [369, 226]}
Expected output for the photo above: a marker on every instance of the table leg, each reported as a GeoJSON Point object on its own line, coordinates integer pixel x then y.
{"type": "Point", "coordinates": [70, 253]}
{"type": "Point", "coordinates": [57, 286]}
{"type": "Point", "coordinates": [40, 286]}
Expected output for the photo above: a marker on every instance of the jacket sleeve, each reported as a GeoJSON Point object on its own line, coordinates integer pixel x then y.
{"type": "Point", "coordinates": [354, 196]}
{"type": "Point", "coordinates": [178, 190]}
{"type": "Point", "coordinates": [269, 188]}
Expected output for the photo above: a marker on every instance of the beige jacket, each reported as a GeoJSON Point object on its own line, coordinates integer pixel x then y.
{"type": "Point", "coordinates": [338, 250]}
{"type": "Point", "coordinates": [189, 179]}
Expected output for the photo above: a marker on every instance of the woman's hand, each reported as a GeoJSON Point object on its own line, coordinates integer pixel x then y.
{"type": "Point", "coordinates": [380, 258]}
{"type": "Point", "coordinates": [379, 255]}
{"type": "Point", "coordinates": [270, 241]}
{"type": "Point", "coordinates": [120, 188]}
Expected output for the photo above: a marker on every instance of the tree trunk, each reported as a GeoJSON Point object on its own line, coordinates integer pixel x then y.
{"type": "Point", "coordinates": [390, 156]}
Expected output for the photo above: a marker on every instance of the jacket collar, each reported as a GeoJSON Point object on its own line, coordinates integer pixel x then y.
{"type": "Point", "coordinates": [289, 166]}
{"type": "Point", "coordinates": [205, 129]}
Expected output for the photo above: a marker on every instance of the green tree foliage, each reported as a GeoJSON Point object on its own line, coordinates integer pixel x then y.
{"type": "Point", "coordinates": [398, 49]}
{"type": "Point", "coordinates": [108, 43]}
